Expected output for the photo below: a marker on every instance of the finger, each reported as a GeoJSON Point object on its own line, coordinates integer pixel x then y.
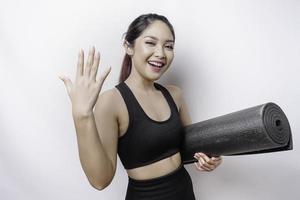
{"type": "Point", "coordinates": [213, 161]}
{"type": "Point", "coordinates": [204, 164]}
{"type": "Point", "coordinates": [218, 163]}
{"type": "Point", "coordinates": [200, 161]}
{"type": "Point", "coordinates": [104, 75]}
{"type": "Point", "coordinates": [216, 159]}
{"type": "Point", "coordinates": [80, 64]}
{"type": "Point", "coordinates": [208, 167]}
{"type": "Point", "coordinates": [204, 156]}
{"type": "Point", "coordinates": [196, 156]}
{"type": "Point", "coordinates": [67, 82]}
{"type": "Point", "coordinates": [95, 66]}
{"type": "Point", "coordinates": [198, 166]}
{"type": "Point", "coordinates": [89, 62]}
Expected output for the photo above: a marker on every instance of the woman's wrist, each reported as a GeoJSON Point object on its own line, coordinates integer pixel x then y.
{"type": "Point", "coordinates": [82, 114]}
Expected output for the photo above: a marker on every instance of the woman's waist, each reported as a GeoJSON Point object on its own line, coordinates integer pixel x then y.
{"type": "Point", "coordinates": [156, 169]}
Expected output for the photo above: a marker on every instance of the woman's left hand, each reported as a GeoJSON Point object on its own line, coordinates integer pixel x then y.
{"type": "Point", "coordinates": [205, 163]}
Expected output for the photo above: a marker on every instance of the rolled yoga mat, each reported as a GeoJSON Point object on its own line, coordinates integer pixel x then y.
{"type": "Point", "coordinates": [259, 129]}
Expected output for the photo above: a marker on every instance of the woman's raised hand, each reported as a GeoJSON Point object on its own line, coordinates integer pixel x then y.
{"type": "Point", "coordinates": [85, 90]}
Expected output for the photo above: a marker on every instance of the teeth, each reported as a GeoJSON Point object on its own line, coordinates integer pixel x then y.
{"type": "Point", "coordinates": [157, 64]}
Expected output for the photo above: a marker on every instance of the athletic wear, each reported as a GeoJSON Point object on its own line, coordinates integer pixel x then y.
{"type": "Point", "coordinates": [146, 140]}
{"type": "Point", "coordinates": [176, 185]}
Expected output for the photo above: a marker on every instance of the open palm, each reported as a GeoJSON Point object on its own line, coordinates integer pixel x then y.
{"type": "Point", "coordinates": [85, 89]}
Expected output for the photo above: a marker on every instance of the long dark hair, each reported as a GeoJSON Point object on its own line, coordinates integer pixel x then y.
{"type": "Point", "coordinates": [135, 29]}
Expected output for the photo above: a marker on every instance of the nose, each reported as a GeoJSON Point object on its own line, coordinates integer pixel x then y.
{"type": "Point", "coordinates": [159, 52]}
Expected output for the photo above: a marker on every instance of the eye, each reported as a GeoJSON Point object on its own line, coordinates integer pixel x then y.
{"type": "Point", "coordinates": [150, 43]}
{"type": "Point", "coordinates": [170, 47]}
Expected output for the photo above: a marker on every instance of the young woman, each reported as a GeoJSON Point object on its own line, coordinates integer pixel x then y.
{"type": "Point", "coordinates": [139, 119]}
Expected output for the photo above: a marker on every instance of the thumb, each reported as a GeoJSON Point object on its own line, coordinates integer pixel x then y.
{"type": "Point", "coordinates": [104, 75]}
{"type": "Point", "coordinates": [67, 82]}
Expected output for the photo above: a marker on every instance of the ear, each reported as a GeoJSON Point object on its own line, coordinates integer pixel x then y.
{"type": "Point", "coordinates": [128, 48]}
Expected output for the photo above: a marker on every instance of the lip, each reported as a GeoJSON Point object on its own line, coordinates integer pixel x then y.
{"type": "Point", "coordinates": [155, 69]}
{"type": "Point", "coordinates": [158, 61]}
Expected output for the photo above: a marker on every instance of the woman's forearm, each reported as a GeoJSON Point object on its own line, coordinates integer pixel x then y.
{"type": "Point", "coordinates": [94, 160]}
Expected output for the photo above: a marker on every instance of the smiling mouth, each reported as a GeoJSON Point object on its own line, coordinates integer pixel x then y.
{"type": "Point", "coordinates": [156, 64]}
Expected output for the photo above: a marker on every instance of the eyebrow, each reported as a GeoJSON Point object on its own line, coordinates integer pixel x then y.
{"type": "Point", "coordinates": [155, 38]}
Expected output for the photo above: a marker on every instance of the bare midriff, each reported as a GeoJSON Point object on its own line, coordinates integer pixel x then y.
{"type": "Point", "coordinates": [157, 169]}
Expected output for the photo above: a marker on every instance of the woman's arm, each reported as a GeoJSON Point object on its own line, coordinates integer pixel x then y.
{"type": "Point", "coordinates": [177, 95]}
{"type": "Point", "coordinates": [183, 111]}
{"type": "Point", "coordinates": [204, 162]}
{"type": "Point", "coordinates": [95, 155]}
{"type": "Point", "coordinates": [97, 136]}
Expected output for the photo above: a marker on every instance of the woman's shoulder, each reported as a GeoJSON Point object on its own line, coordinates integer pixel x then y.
{"type": "Point", "coordinates": [109, 99]}
{"type": "Point", "coordinates": [110, 93]}
{"type": "Point", "coordinates": [176, 94]}
{"type": "Point", "coordinates": [174, 90]}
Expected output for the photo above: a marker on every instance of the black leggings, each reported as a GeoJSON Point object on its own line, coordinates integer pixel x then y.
{"type": "Point", "coordinates": [176, 185]}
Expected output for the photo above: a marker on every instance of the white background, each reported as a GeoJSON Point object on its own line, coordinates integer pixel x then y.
{"type": "Point", "coordinates": [229, 55]}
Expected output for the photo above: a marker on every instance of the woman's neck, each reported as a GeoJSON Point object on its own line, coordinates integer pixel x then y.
{"type": "Point", "coordinates": [139, 83]}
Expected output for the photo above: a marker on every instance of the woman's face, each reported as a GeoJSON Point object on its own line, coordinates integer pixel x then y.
{"type": "Point", "coordinates": [152, 52]}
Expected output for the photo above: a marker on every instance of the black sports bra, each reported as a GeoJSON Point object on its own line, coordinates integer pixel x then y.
{"type": "Point", "coordinates": [146, 140]}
